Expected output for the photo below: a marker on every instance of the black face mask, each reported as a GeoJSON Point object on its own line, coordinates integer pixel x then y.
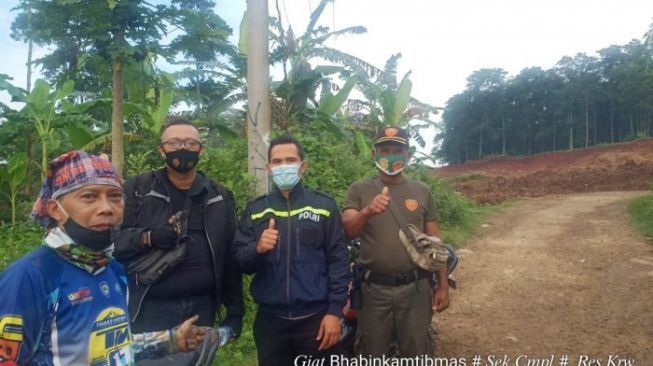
{"type": "Point", "coordinates": [182, 160]}
{"type": "Point", "coordinates": [95, 240]}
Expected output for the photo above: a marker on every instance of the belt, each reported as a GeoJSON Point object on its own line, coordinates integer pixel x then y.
{"type": "Point", "coordinates": [398, 279]}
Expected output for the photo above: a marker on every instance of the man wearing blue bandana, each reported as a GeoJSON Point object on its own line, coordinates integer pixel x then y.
{"type": "Point", "coordinates": [292, 240]}
{"type": "Point", "coordinates": [65, 302]}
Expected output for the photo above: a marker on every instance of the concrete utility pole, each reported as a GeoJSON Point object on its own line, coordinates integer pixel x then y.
{"type": "Point", "coordinates": [258, 94]}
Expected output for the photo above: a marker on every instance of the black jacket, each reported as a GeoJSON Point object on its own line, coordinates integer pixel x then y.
{"type": "Point", "coordinates": [308, 270]}
{"type": "Point", "coordinates": [147, 204]}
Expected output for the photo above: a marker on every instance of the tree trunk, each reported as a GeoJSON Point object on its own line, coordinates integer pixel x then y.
{"type": "Point", "coordinates": [198, 90]}
{"type": "Point", "coordinates": [632, 125]}
{"type": "Point", "coordinates": [503, 135]}
{"type": "Point", "coordinates": [13, 206]}
{"type": "Point", "coordinates": [30, 48]}
{"type": "Point", "coordinates": [117, 128]}
{"type": "Point", "coordinates": [28, 186]}
{"type": "Point", "coordinates": [571, 130]}
{"type": "Point", "coordinates": [594, 140]}
{"type": "Point", "coordinates": [44, 155]}
{"type": "Point", "coordinates": [529, 138]}
{"type": "Point", "coordinates": [612, 125]}
{"type": "Point", "coordinates": [29, 65]}
{"type": "Point", "coordinates": [480, 142]}
{"type": "Point", "coordinates": [587, 124]}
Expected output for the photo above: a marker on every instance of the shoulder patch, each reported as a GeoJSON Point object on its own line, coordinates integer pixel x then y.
{"type": "Point", "coordinates": [264, 195]}
{"type": "Point", "coordinates": [324, 195]}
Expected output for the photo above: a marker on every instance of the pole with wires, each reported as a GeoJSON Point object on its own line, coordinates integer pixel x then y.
{"type": "Point", "coordinates": [258, 95]}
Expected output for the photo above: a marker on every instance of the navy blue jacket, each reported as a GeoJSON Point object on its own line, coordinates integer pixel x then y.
{"type": "Point", "coordinates": [308, 270]}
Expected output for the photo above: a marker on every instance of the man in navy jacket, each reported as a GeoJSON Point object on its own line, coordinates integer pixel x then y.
{"type": "Point", "coordinates": [292, 239]}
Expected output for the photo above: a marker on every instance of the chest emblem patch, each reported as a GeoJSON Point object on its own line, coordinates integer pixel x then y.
{"type": "Point", "coordinates": [104, 287]}
{"type": "Point", "coordinates": [411, 204]}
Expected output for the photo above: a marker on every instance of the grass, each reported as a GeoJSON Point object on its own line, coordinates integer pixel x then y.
{"type": "Point", "coordinates": [470, 177]}
{"type": "Point", "coordinates": [458, 234]}
{"type": "Point", "coordinates": [641, 213]}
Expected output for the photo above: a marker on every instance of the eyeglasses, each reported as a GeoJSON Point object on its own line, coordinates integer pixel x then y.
{"type": "Point", "coordinates": [176, 144]}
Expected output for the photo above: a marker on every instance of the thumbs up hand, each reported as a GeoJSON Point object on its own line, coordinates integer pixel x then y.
{"type": "Point", "coordinates": [379, 204]}
{"type": "Point", "coordinates": [269, 239]}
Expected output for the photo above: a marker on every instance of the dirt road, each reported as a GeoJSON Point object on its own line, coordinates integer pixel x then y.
{"type": "Point", "coordinates": [555, 275]}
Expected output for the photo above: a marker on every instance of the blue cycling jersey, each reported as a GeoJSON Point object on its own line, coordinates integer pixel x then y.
{"type": "Point", "coordinates": [54, 313]}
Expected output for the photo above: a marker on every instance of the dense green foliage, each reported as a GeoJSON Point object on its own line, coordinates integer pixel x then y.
{"type": "Point", "coordinates": [641, 211]}
{"type": "Point", "coordinates": [598, 100]}
{"type": "Point", "coordinates": [332, 168]}
{"type": "Point", "coordinates": [17, 240]}
{"type": "Point", "coordinates": [580, 102]}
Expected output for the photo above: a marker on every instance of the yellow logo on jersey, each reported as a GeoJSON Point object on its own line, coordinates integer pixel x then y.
{"type": "Point", "coordinates": [11, 337]}
{"type": "Point", "coordinates": [110, 343]}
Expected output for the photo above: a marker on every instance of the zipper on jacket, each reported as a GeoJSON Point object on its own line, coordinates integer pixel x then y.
{"type": "Point", "coordinates": [140, 302]}
{"type": "Point", "coordinates": [155, 183]}
{"type": "Point", "coordinates": [297, 240]}
{"type": "Point", "coordinates": [213, 259]}
{"type": "Point", "coordinates": [288, 253]}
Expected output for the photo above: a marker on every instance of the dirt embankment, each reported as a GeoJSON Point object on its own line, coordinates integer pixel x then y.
{"type": "Point", "coordinates": [557, 275]}
{"type": "Point", "coordinates": [617, 167]}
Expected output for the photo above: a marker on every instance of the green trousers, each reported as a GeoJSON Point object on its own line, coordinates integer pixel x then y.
{"type": "Point", "coordinates": [402, 310]}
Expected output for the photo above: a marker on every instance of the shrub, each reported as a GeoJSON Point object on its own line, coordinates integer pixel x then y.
{"type": "Point", "coordinates": [641, 212]}
{"type": "Point", "coordinates": [16, 241]}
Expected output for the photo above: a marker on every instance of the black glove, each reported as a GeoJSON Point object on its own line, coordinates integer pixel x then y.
{"type": "Point", "coordinates": [163, 236]}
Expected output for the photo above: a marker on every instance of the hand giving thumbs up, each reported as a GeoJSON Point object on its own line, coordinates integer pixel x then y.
{"type": "Point", "coordinates": [269, 238]}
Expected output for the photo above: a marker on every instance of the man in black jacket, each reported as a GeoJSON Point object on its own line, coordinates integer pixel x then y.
{"type": "Point", "coordinates": [208, 276]}
{"type": "Point", "coordinates": [292, 239]}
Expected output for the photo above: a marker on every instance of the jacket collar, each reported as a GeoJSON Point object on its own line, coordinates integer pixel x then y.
{"type": "Point", "coordinates": [295, 193]}
{"type": "Point", "coordinates": [199, 186]}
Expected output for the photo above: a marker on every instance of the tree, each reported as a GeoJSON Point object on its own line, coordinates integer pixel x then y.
{"type": "Point", "coordinates": [41, 106]}
{"type": "Point", "coordinates": [389, 102]}
{"type": "Point", "coordinates": [298, 89]}
{"type": "Point", "coordinates": [452, 142]}
{"type": "Point", "coordinates": [213, 78]}
{"type": "Point", "coordinates": [12, 176]}
{"type": "Point", "coordinates": [123, 32]}
{"type": "Point", "coordinates": [485, 87]}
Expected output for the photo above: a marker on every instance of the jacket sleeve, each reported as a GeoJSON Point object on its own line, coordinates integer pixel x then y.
{"type": "Point", "coordinates": [232, 281]}
{"type": "Point", "coordinates": [24, 312]}
{"type": "Point", "coordinates": [128, 242]}
{"type": "Point", "coordinates": [244, 247]}
{"type": "Point", "coordinates": [338, 263]}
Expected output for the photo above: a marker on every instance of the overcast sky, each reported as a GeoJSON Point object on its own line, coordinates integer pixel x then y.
{"type": "Point", "coordinates": [442, 41]}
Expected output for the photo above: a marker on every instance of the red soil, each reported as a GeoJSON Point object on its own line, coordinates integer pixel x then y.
{"type": "Point", "coordinates": [616, 167]}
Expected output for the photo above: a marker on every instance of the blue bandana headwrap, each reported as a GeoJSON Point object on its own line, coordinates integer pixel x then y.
{"type": "Point", "coordinates": [68, 172]}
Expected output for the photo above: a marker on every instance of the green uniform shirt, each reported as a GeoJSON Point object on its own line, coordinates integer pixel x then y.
{"type": "Point", "coordinates": [381, 250]}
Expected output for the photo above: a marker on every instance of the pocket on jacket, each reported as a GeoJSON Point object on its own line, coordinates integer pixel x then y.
{"type": "Point", "coordinates": [309, 243]}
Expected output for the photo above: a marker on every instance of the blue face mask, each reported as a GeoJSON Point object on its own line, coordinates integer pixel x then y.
{"type": "Point", "coordinates": [286, 177]}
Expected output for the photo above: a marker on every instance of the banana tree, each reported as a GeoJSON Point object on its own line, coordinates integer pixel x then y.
{"type": "Point", "coordinates": [328, 114]}
{"type": "Point", "coordinates": [297, 56]}
{"type": "Point", "coordinates": [41, 108]}
{"type": "Point", "coordinates": [12, 177]}
{"type": "Point", "coordinates": [149, 106]}
{"type": "Point", "coordinates": [389, 103]}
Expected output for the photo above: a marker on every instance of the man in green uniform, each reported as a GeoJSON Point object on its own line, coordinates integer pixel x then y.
{"type": "Point", "coordinates": [396, 293]}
